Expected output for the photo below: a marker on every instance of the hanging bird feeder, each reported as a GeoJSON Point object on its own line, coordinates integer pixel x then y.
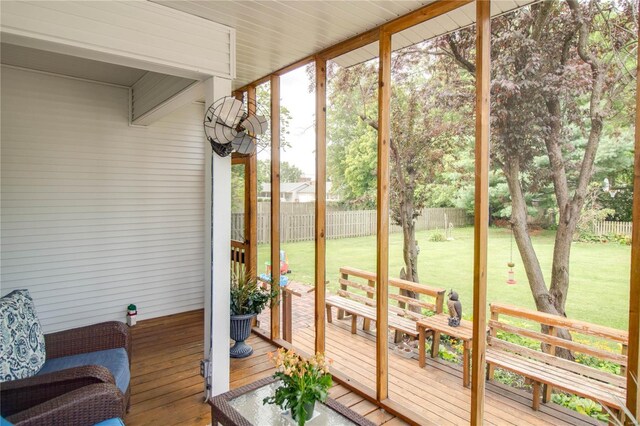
{"type": "Point", "coordinates": [511, 277]}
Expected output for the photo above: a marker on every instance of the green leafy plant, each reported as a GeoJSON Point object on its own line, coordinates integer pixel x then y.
{"type": "Point", "coordinates": [446, 355]}
{"type": "Point", "coordinates": [304, 381]}
{"type": "Point", "coordinates": [510, 379]}
{"type": "Point", "coordinates": [592, 361]}
{"type": "Point", "coordinates": [437, 237]}
{"type": "Point", "coordinates": [247, 297]}
{"type": "Point", "coordinates": [581, 405]}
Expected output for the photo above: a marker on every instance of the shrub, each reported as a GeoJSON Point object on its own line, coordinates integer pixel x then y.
{"type": "Point", "coordinates": [624, 240]}
{"type": "Point", "coordinates": [598, 363]}
{"type": "Point", "coordinates": [581, 405]}
{"type": "Point", "coordinates": [437, 236]}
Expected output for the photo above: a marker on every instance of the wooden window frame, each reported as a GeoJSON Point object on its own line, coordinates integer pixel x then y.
{"type": "Point", "coordinates": [382, 34]}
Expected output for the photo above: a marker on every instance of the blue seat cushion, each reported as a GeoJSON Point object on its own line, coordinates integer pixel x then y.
{"type": "Point", "coordinates": [111, 422]}
{"type": "Point", "coordinates": [116, 360]}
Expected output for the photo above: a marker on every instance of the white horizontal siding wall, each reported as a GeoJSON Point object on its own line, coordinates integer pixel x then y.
{"type": "Point", "coordinates": [97, 214]}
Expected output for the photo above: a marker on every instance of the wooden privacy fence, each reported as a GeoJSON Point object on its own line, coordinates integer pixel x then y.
{"type": "Point", "coordinates": [341, 224]}
{"type": "Point", "coordinates": [605, 227]}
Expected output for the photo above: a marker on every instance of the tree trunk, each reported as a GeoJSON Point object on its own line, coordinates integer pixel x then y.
{"type": "Point", "coordinates": [406, 181]}
{"type": "Point", "coordinates": [545, 301]}
{"type": "Point", "coordinates": [409, 244]}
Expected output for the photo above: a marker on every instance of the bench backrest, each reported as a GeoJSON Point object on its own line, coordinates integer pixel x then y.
{"type": "Point", "coordinates": [549, 337]}
{"type": "Point", "coordinates": [430, 298]}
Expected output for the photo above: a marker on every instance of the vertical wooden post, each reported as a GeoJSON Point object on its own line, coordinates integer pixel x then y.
{"type": "Point", "coordinates": [382, 267]}
{"type": "Point", "coordinates": [275, 202]}
{"type": "Point", "coordinates": [493, 332]}
{"type": "Point", "coordinates": [251, 206]}
{"type": "Point", "coordinates": [321, 200]}
{"type": "Point", "coordinates": [342, 313]}
{"type": "Point", "coordinates": [287, 320]}
{"type": "Point", "coordinates": [551, 349]}
{"type": "Point", "coordinates": [483, 79]}
{"type": "Point", "coordinates": [633, 388]}
{"type": "Point", "coordinates": [366, 322]}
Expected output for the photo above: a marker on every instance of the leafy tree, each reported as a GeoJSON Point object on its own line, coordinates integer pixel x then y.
{"type": "Point", "coordinates": [558, 70]}
{"type": "Point", "coordinates": [263, 104]}
{"type": "Point", "coordinates": [421, 135]}
{"type": "Point", "coordinates": [237, 189]}
{"type": "Point", "coordinates": [614, 162]}
{"type": "Point", "coordinates": [288, 172]}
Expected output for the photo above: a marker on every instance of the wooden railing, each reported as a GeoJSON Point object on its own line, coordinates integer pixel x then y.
{"type": "Point", "coordinates": [551, 342]}
{"type": "Point", "coordinates": [435, 295]}
{"type": "Point", "coordinates": [238, 251]}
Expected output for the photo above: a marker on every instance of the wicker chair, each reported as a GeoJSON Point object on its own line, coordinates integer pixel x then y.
{"type": "Point", "coordinates": [84, 406]}
{"type": "Point", "coordinates": [19, 397]}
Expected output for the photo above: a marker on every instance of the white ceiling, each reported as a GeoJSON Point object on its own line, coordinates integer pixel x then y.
{"type": "Point", "coordinates": [41, 60]}
{"type": "Point", "coordinates": [443, 24]}
{"type": "Point", "coordinates": [273, 34]}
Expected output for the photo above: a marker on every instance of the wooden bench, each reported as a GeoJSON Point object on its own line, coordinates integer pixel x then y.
{"type": "Point", "coordinates": [401, 317]}
{"type": "Point", "coordinates": [550, 371]}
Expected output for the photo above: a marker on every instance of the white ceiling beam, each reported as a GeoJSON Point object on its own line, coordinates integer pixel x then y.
{"type": "Point", "coordinates": [192, 93]}
{"type": "Point", "coordinates": [135, 34]}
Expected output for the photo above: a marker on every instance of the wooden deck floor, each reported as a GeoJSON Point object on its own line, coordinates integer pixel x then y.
{"type": "Point", "coordinates": [167, 387]}
{"type": "Point", "coordinates": [435, 392]}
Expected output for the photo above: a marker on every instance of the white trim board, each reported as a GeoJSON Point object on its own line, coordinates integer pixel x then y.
{"type": "Point", "coordinates": [141, 35]}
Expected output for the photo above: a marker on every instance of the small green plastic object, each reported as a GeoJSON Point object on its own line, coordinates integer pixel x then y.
{"type": "Point", "coordinates": [132, 307]}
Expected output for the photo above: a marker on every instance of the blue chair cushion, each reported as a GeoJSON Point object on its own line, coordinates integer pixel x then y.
{"type": "Point", "coordinates": [116, 360]}
{"type": "Point", "coordinates": [111, 422]}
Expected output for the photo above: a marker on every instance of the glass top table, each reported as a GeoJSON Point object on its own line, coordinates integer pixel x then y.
{"type": "Point", "coordinates": [244, 407]}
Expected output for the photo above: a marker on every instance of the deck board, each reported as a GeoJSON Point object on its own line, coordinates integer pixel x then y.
{"type": "Point", "coordinates": [166, 387]}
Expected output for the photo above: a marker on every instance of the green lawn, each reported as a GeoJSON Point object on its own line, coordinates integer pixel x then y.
{"type": "Point", "coordinates": [599, 289]}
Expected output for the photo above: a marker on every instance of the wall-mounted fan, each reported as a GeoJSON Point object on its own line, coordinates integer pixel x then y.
{"type": "Point", "coordinates": [230, 128]}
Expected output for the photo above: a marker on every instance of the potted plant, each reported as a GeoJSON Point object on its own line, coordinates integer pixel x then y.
{"type": "Point", "coordinates": [247, 301]}
{"type": "Point", "coordinates": [304, 381]}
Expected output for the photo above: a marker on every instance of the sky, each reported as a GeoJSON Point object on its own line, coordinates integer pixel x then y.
{"type": "Point", "coordinates": [294, 95]}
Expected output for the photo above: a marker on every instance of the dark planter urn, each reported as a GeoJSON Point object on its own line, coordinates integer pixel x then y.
{"type": "Point", "coordinates": [240, 331]}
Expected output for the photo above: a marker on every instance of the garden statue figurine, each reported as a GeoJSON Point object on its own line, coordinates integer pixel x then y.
{"type": "Point", "coordinates": [455, 309]}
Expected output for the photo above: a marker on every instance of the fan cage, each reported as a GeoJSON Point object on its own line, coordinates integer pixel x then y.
{"type": "Point", "coordinates": [224, 129]}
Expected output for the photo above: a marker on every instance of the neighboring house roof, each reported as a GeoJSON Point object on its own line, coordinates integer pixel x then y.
{"type": "Point", "coordinates": [291, 187]}
{"type": "Point", "coordinates": [286, 187]}
{"type": "Point", "coordinates": [311, 189]}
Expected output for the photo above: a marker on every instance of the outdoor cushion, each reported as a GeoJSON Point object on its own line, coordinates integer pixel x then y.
{"type": "Point", "coordinates": [22, 351]}
{"type": "Point", "coordinates": [115, 360]}
{"type": "Point", "coordinates": [111, 422]}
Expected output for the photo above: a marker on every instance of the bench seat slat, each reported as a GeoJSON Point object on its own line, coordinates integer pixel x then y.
{"type": "Point", "coordinates": [610, 395]}
{"type": "Point", "coordinates": [566, 364]}
{"type": "Point", "coordinates": [396, 322]}
{"type": "Point", "coordinates": [415, 316]}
